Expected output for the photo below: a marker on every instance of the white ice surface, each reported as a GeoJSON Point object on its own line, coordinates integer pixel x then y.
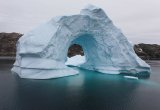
{"type": "Point", "coordinates": [131, 77]}
{"type": "Point", "coordinates": [76, 60]}
{"type": "Point", "coordinates": [42, 52]}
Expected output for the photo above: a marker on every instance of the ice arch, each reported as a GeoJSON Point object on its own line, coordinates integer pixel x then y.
{"type": "Point", "coordinates": [41, 53]}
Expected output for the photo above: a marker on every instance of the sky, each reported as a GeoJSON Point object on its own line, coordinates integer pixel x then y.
{"type": "Point", "coordinates": [139, 20]}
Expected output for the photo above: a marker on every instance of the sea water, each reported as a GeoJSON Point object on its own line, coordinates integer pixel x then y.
{"type": "Point", "coordinates": [87, 91]}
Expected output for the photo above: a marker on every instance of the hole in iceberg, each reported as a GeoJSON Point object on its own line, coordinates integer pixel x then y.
{"type": "Point", "coordinates": [75, 56]}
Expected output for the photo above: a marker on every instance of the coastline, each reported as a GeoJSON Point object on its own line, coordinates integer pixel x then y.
{"type": "Point", "coordinates": [13, 58]}
{"type": "Point", "coordinates": [7, 58]}
{"type": "Point", "coordinates": [8, 48]}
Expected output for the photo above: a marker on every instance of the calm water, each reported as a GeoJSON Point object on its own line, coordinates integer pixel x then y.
{"type": "Point", "coordinates": [86, 91]}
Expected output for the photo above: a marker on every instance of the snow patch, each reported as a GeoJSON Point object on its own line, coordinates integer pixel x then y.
{"type": "Point", "coordinates": [76, 60]}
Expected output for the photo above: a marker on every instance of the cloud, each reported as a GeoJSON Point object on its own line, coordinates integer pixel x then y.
{"type": "Point", "coordinates": [134, 17]}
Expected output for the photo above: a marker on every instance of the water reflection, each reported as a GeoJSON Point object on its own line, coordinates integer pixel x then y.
{"type": "Point", "coordinates": [87, 90]}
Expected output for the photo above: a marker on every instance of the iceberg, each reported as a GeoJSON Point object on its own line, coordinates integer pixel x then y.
{"type": "Point", "coordinates": [42, 52]}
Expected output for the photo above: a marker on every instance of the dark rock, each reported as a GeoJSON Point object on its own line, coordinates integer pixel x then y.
{"type": "Point", "coordinates": [75, 49]}
{"type": "Point", "coordinates": [148, 51]}
{"type": "Point", "coordinates": [8, 43]}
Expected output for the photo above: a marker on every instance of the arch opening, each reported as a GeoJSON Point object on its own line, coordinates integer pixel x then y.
{"type": "Point", "coordinates": [75, 55]}
{"type": "Point", "coordinates": [84, 46]}
{"type": "Point", "coordinates": [75, 49]}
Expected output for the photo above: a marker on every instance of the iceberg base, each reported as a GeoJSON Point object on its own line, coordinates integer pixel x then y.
{"type": "Point", "coordinates": [43, 73]}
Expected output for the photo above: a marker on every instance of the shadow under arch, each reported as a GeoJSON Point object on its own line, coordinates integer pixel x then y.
{"type": "Point", "coordinates": [89, 47]}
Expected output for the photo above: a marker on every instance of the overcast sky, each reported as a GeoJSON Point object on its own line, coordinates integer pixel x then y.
{"type": "Point", "coordinates": [138, 19]}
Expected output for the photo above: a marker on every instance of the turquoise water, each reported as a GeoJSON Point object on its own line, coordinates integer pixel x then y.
{"type": "Point", "coordinates": [87, 91]}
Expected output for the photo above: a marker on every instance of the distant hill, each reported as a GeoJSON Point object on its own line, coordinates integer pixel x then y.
{"type": "Point", "coordinates": [148, 51]}
{"type": "Point", "coordinates": [8, 47]}
{"type": "Point", "coordinates": [8, 43]}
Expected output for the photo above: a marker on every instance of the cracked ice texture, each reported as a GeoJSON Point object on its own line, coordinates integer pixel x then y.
{"type": "Point", "coordinates": [42, 52]}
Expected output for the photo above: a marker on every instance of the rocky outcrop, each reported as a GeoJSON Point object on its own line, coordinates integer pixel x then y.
{"type": "Point", "coordinates": [148, 51]}
{"type": "Point", "coordinates": [75, 49]}
{"type": "Point", "coordinates": [8, 43]}
{"type": "Point", "coordinates": [8, 47]}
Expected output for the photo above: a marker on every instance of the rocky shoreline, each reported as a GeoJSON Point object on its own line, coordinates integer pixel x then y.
{"type": "Point", "coordinates": [8, 48]}
{"type": "Point", "coordinates": [8, 43]}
